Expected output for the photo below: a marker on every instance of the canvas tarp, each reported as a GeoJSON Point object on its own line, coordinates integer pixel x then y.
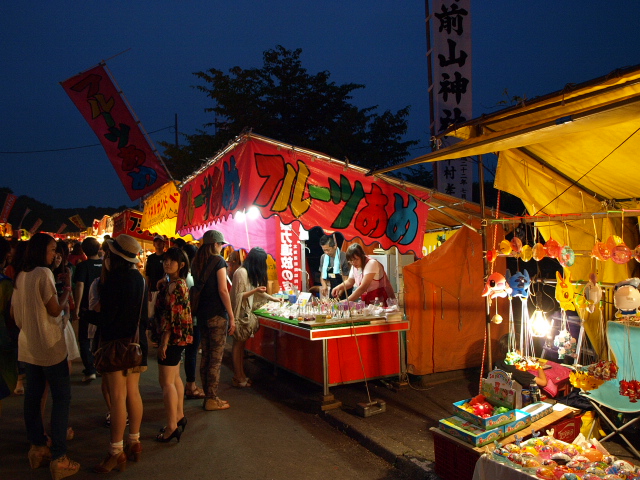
{"type": "Point", "coordinates": [445, 306]}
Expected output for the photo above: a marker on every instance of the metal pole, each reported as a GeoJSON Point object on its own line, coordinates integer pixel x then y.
{"type": "Point", "coordinates": [483, 231]}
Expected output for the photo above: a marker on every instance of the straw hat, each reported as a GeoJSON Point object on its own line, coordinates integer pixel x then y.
{"type": "Point", "coordinates": [125, 246]}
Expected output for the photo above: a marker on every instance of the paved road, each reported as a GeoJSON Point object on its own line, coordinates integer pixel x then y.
{"type": "Point", "coordinates": [271, 431]}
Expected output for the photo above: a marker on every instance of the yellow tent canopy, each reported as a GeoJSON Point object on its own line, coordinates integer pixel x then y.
{"type": "Point", "coordinates": [161, 212]}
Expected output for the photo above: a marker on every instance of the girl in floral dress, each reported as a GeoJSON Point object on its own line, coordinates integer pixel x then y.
{"type": "Point", "coordinates": [176, 331]}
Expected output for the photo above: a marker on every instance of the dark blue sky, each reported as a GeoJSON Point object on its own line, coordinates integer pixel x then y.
{"type": "Point", "coordinates": [527, 48]}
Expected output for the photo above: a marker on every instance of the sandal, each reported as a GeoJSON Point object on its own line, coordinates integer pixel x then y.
{"type": "Point", "coordinates": [211, 404]}
{"type": "Point", "coordinates": [195, 394]}
{"type": "Point", "coordinates": [239, 384]}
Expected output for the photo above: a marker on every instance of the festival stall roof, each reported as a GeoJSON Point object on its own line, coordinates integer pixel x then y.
{"type": "Point", "coordinates": [160, 212]}
{"type": "Point", "coordinates": [309, 187]}
{"type": "Point", "coordinates": [570, 156]}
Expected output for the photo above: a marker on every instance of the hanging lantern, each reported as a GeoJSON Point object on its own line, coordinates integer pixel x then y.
{"type": "Point", "coordinates": [539, 252]}
{"type": "Point", "coordinates": [539, 325]}
{"type": "Point", "coordinates": [552, 248]}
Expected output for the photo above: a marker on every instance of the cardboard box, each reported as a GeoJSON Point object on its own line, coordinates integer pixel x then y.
{"type": "Point", "coordinates": [538, 410]}
{"type": "Point", "coordinates": [484, 423]}
{"type": "Point", "coordinates": [468, 432]}
{"type": "Point", "coordinates": [567, 430]}
{"type": "Point", "coordinates": [523, 419]}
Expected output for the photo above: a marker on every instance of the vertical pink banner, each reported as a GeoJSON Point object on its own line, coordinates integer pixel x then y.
{"type": "Point", "coordinates": [106, 112]}
{"type": "Point", "coordinates": [9, 202]}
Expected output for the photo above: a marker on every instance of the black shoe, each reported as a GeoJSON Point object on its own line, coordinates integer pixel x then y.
{"type": "Point", "coordinates": [177, 433]}
{"type": "Point", "coordinates": [182, 423]}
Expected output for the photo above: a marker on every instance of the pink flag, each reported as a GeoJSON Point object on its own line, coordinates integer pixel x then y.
{"type": "Point", "coordinates": [35, 227]}
{"type": "Point", "coordinates": [9, 202]}
{"type": "Point", "coordinates": [107, 113]}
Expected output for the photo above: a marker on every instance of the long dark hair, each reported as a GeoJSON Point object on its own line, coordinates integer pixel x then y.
{"type": "Point", "coordinates": [256, 265]}
{"type": "Point", "coordinates": [36, 253]}
{"type": "Point", "coordinates": [201, 260]}
{"type": "Point", "coordinates": [63, 249]}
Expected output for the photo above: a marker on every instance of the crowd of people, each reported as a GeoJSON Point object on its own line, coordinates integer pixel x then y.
{"type": "Point", "coordinates": [46, 286]}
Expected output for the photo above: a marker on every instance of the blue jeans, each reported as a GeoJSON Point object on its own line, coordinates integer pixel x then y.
{"type": "Point", "coordinates": [191, 355]}
{"type": "Point", "coordinates": [60, 388]}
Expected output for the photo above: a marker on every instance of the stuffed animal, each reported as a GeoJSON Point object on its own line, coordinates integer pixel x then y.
{"type": "Point", "coordinates": [565, 291]}
{"type": "Point", "coordinates": [519, 283]}
{"type": "Point", "coordinates": [496, 286]}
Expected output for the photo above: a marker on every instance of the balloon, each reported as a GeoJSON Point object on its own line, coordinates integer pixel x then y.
{"type": "Point", "coordinates": [552, 248]}
{"type": "Point", "coordinates": [516, 244]}
{"type": "Point", "coordinates": [539, 252]}
{"type": "Point", "coordinates": [505, 247]}
{"type": "Point", "coordinates": [601, 251]}
{"type": "Point", "coordinates": [621, 254]}
{"type": "Point", "coordinates": [491, 256]}
{"type": "Point", "coordinates": [526, 253]}
{"type": "Point", "coordinates": [567, 257]}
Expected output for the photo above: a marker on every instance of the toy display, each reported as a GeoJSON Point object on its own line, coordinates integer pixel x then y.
{"type": "Point", "coordinates": [548, 458]}
{"type": "Point", "coordinates": [565, 292]}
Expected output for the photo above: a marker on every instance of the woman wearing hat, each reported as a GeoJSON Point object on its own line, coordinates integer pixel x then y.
{"type": "Point", "coordinates": [123, 308]}
{"type": "Point", "coordinates": [214, 313]}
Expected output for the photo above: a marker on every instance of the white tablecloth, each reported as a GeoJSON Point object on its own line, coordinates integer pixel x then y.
{"type": "Point", "coordinates": [488, 469]}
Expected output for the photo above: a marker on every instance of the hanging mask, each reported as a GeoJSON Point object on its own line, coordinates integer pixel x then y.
{"type": "Point", "coordinates": [519, 283]}
{"type": "Point", "coordinates": [565, 291]}
{"type": "Point", "coordinates": [626, 297]}
{"type": "Point", "coordinates": [496, 286]}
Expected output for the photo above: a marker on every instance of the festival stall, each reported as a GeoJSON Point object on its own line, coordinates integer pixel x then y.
{"type": "Point", "coordinates": [293, 190]}
{"type": "Point", "coordinates": [160, 212]}
{"type": "Point", "coordinates": [568, 156]}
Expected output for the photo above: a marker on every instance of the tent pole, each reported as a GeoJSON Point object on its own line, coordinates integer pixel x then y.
{"type": "Point", "coordinates": [484, 258]}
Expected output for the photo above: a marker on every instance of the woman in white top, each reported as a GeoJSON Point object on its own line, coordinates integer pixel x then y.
{"type": "Point", "coordinates": [367, 277]}
{"type": "Point", "coordinates": [41, 345]}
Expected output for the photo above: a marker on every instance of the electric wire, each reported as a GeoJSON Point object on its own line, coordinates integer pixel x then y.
{"type": "Point", "coordinates": [51, 150]}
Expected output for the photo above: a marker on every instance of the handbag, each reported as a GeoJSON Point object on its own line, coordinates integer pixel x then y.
{"type": "Point", "coordinates": [122, 353]}
{"type": "Point", "coordinates": [196, 290]}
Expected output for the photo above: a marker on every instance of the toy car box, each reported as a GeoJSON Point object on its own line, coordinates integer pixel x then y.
{"type": "Point", "coordinates": [469, 432]}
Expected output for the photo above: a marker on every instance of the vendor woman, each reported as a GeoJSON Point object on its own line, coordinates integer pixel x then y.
{"type": "Point", "coordinates": [333, 265]}
{"type": "Point", "coordinates": [367, 277]}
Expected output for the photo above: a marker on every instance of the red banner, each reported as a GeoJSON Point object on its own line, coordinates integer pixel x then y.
{"type": "Point", "coordinates": [104, 109]}
{"type": "Point", "coordinates": [129, 222]}
{"type": "Point", "coordinates": [294, 185]}
{"type": "Point", "coordinates": [9, 202]}
{"type": "Point", "coordinates": [35, 227]}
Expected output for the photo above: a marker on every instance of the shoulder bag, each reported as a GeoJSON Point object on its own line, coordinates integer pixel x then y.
{"type": "Point", "coordinates": [122, 353]}
{"type": "Point", "coordinates": [196, 290]}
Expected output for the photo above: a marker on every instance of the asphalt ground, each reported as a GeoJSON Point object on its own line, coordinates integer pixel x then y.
{"type": "Point", "coordinates": [273, 430]}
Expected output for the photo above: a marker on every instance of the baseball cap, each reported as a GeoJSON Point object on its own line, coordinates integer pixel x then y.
{"type": "Point", "coordinates": [213, 236]}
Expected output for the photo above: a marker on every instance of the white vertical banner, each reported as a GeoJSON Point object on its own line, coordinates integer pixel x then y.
{"type": "Point", "coordinates": [451, 87]}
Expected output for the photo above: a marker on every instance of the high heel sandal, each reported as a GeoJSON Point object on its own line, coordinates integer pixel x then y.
{"type": "Point", "coordinates": [133, 451]}
{"type": "Point", "coordinates": [59, 470]}
{"type": "Point", "coordinates": [182, 423]}
{"type": "Point", "coordinates": [117, 461]}
{"type": "Point", "coordinates": [177, 433]}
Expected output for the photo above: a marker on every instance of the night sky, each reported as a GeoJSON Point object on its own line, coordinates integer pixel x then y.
{"type": "Point", "coordinates": [526, 48]}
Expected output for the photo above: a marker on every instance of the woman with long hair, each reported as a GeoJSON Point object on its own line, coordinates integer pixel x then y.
{"type": "Point", "coordinates": [61, 271]}
{"type": "Point", "coordinates": [41, 345]}
{"type": "Point", "coordinates": [248, 292]}
{"type": "Point", "coordinates": [214, 313]}
{"type": "Point", "coordinates": [176, 331]}
{"type": "Point", "coordinates": [367, 277]}
{"type": "Point", "coordinates": [123, 309]}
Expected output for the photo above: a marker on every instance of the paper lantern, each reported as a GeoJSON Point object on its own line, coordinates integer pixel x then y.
{"type": "Point", "coordinates": [539, 252]}
{"type": "Point", "coordinates": [552, 248]}
{"type": "Point", "coordinates": [526, 253]}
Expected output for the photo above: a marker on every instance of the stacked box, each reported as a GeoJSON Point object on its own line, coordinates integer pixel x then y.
{"type": "Point", "coordinates": [469, 432]}
{"type": "Point", "coordinates": [484, 423]}
{"type": "Point", "coordinates": [538, 410]}
{"type": "Point", "coordinates": [523, 419]}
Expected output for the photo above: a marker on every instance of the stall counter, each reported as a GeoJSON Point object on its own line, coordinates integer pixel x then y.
{"type": "Point", "coordinates": [329, 354]}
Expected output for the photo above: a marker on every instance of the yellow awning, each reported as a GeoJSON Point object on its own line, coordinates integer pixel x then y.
{"type": "Point", "coordinates": [161, 212]}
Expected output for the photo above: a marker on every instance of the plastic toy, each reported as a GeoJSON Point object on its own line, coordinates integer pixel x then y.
{"type": "Point", "coordinates": [601, 251]}
{"type": "Point", "coordinates": [621, 254]}
{"type": "Point", "coordinates": [567, 257]}
{"type": "Point", "coordinates": [627, 297]}
{"type": "Point", "coordinates": [496, 286]}
{"type": "Point", "coordinates": [552, 248]}
{"type": "Point", "coordinates": [539, 252]}
{"type": "Point", "coordinates": [526, 254]}
{"type": "Point", "coordinates": [564, 291]}
{"type": "Point", "coordinates": [519, 283]}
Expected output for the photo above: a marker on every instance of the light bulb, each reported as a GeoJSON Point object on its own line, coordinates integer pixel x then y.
{"type": "Point", "coordinates": [240, 216]}
{"type": "Point", "coordinates": [539, 325]}
{"type": "Point", "coordinates": [253, 213]}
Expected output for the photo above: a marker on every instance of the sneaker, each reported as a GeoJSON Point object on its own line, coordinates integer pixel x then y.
{"type": "Point", "coordinates": [88, 378]}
